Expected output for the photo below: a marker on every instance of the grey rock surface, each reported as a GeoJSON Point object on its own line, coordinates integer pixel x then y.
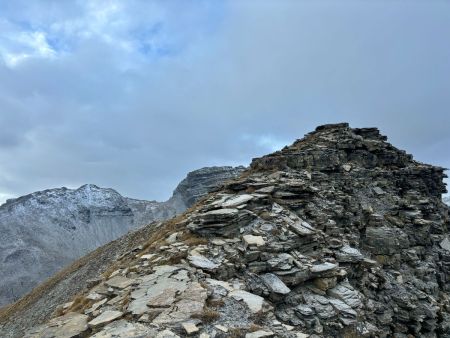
{"type": "Point", "coordinates": [198, 183]}
{"type": "Point", "coordinates": [316, 251]}
{"type": "Point", "coordinates": [42, 232]}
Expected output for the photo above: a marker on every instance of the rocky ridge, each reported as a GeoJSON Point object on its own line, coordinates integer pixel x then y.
{"type": "Point", "coordinates": [42, 232]}
{"type": "Point", "coordinates": [337, 235]}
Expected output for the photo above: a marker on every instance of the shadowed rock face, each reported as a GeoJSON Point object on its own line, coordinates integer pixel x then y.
{"type": "Point", "coordinates": [42, 232]}
{"type": "Point", "coordinates": [338, 235]}
{"type": "Point", "coordinates": [198, 183]}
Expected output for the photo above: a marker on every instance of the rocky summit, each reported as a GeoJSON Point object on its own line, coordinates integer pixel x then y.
{"type": "Point", "coordinates": [338, 235]}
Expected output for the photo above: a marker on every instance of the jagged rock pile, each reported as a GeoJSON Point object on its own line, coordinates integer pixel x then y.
{"type": "Point", "coordinates": [337, 235]}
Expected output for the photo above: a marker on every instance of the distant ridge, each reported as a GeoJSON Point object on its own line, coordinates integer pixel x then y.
{"type": "Point", "coordinates": [42, 232]}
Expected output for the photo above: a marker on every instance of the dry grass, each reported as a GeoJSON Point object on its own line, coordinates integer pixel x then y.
{"type": "Point", "coordinates": [126, 300]}
{"type": "Point", "coordinates": [176, 258]}
{"type": "Point", "coordinates": [193, 240]}
{"type": "Point", "coordinates": [254, 328]}
{"type": "Point", "coordinates": [80, 303]}
{"type": "Point", "coordinates": [207, 316]}
{"type": "Point", "coordinates": [215, 303]}
{"type": "Point", "coordinates": [265, 215]}
{"type": "Point", "coordinates": [236, 332]}
{"type": "Point", "coordinates": [59, 311]}
{"type": "Point", "coordinates": [258, 318]}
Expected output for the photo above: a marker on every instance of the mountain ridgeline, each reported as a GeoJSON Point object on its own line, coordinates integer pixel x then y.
{"type": "Point", "coordinates": [338, 235]}
{"type": "Point", "coordinates": [42, 232]}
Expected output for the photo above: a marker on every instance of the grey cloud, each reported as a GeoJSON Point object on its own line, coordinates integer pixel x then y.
{"type": "Point", "coordinates": [239, 79]}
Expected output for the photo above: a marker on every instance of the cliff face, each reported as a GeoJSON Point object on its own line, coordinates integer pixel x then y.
{"type": "Point", "coordinates": [198, 183]}
{"type": "Point", "coordinates": [42, 232]}
{"type": "Point", "coordinates": [338, 235]}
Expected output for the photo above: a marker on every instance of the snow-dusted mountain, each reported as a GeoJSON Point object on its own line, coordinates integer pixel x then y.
{"type": "Point", "coordinates": [42, 232]}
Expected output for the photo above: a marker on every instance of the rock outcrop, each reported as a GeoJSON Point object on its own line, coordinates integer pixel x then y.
{"type": "Point", "coordinates": [198, 183]}
{"type": "Point", "coordinates": [42, 232]}
{"type": "Point", "coordinates": [338, 235]}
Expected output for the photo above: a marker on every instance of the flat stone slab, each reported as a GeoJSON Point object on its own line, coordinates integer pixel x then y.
{"type": "Point", "coordinates": [120, 282]}
{"type": "Point", "coordinates": [445, 244]}
{"type": "Point", "coordinates": [221, 328]}
{"type": "Point", "coordinates": [123, 329]}
{"type": "Point", "coordinates": [202, 262]}
{"type": "Point", "coordinates": [190, 328]}
{"type": "Point", "coordinates": [302, 228]}
{"type": "Point", "coordinates": [349, 254]}
{"type": "Point", "coordinates": [324, 267]}
{"type": "Point", "coordinates": [158, 289]}
{"type": "Point", "coordinates": [105, 318]}
{"type": "Point", "coordinates": [167, 334]}
{"type": "Point", "coordinates": [254, 302]}
{"type": "Point", "coordinates": [189, 302]}
{"type": "Point", "coordinates": [237, 200]}
{"type": "Point", "coordinates": [347, 294]}
{"type": "Point", "coordinates": [225, 212]}
{"type": "Point", "coordinates": [67, 326]}
{"type": "Point", "coordinates": [259, 334]}
{"type": "Point", "coordinates": [275, 284]}
{"type": "Point", "coordinates": [253, 240]}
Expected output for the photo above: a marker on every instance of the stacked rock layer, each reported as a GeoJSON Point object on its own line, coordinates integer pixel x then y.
{"type": "Point", "coordinates": [337, 235]}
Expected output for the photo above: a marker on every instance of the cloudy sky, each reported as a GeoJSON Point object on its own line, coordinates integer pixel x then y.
{"type": "Point", "coordinates": [134, 94]}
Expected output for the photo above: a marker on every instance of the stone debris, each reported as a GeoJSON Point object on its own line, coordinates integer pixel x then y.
{"type": "Point", "coordinates": [254, 240]}
{"type": "Point", "coordinates": [275, 284]}
{"type": "Point", "coordinates": [167, 334]}
{"type": "Point", "coordinates": [221, 328]}
{"type": "Point", "coordinates": [124, 329]}
{"type": "Point", "coordinates": [190, 328]}
{"type": "Point", "coordinates": [445, 244]}
{"type": "Point", "coordinates": [105, 318]}
{"type": "Point", "coordinates": [202, 262]}
{"type": "Point", "coordinates": [254, 302]}
{"type": "Point", "coordinates": [259, 334]}
{"type": "Point", "coordinates": [120, 282]}
{"type": "Point", "coordinates": [337, 235]}
{"type": "Point", "coordinates": [67, 326]}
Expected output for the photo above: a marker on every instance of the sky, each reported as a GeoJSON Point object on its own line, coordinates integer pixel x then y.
{"type": "Point", "coordinates": [134, 94]}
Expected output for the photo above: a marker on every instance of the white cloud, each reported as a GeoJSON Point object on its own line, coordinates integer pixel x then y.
{"type": "Point", "coordinates": [27, 45]}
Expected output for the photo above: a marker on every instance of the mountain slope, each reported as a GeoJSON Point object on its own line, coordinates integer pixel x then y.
{"type": "Point", "coordinates": [338, 235]}
{"type": "Point", "coordinates": [42, 232]}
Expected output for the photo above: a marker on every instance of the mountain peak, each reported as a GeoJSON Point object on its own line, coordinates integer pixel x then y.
{"type": "Point", "coordinates": [338, 235]}
{"type": "Point", "coordinates": [88, 187]}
